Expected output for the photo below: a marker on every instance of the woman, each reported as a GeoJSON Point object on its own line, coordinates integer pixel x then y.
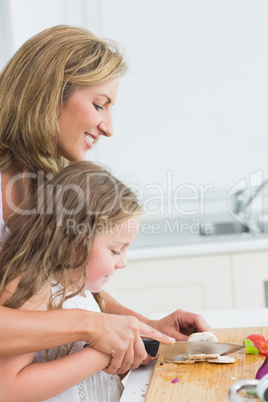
{"type": "Point", "coordinates": [56, 96]}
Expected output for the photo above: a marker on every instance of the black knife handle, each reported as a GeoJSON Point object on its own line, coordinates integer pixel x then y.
{"type": "Point", "coordinates": [151, 346]}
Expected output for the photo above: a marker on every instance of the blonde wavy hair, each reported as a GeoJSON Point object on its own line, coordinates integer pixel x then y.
{"type": "Point", "coordinates": [43, 246]}
{"type": "Point", "coordinates": [40, 76]}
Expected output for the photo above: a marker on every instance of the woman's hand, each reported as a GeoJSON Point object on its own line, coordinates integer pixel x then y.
{"type": "Point", "coordinates": [180, 324]}
{"type": "Point", "coordinates": [120, 337]}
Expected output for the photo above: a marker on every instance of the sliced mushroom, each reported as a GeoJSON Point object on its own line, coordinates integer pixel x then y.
{"type": "Point", "coordinates": [222, 360]}
{"type": "Point", "coordinates": [202, 337]}
{"type": "Point", "coordinates": [203, 356]}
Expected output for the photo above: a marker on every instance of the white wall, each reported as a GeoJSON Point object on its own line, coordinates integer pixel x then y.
{"type": "Point", "coordinates": [195, 99]}
{"type": "Point", "coordinates": [6, 45]}
{"type": "Point", "coordinates": [31, 16]}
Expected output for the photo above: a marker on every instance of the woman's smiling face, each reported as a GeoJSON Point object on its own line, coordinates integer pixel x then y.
{"type": "Point", "coordinates": [85, 116]}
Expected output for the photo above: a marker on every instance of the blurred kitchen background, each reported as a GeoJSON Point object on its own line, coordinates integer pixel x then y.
{"type": "Point", "coordinates": [191, 136]}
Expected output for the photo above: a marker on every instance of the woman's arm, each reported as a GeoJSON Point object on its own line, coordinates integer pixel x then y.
{"type": "Point", "coordinates": [116, 335]}
{"type": "Point", "coordinates": [24, 331]}
{"type": "Point", "coordinates": [23, 381]}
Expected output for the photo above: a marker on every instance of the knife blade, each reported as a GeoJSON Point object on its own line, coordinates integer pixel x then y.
{"type": "Point", "coordinates": [180, 349]}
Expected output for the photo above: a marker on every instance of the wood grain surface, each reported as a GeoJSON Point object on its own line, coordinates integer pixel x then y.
{"type": "Point", "coordinates": [204, 382]}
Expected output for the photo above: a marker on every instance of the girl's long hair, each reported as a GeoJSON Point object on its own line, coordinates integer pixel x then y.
{"type": "Point", "coordinates": [54, 232]}
{"type": "Point", "coordinates": [36, 81]}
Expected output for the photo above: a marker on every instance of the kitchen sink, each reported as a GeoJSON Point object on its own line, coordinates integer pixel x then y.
{"type": "Point", "coordinates": [224, 228]}
{"type": "Point", "coordinates": [175, 231]}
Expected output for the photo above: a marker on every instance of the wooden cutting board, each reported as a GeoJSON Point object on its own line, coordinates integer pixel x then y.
{"type": "Point", "coordinates": [204, 382]}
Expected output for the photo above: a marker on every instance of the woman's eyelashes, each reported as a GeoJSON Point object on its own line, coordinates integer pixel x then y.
{"type": "Point", "coordinates": [98, 107]}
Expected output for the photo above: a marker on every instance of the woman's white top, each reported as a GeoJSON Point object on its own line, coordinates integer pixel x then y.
{"type": "Point", "coordinates": [100, 387]}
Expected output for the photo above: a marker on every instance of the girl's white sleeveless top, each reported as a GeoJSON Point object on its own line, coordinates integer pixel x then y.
{"type": "Point", "coordinates": [100, 387]}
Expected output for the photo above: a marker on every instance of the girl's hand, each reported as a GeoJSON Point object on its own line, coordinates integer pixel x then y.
{"type": "Point", "coordinates": [180, 324]}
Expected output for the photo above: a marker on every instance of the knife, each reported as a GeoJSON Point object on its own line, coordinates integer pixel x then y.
{"type": "Point", "coordinates": [151, 346]}
{"type": "Point", "coordinates": [180, 349]}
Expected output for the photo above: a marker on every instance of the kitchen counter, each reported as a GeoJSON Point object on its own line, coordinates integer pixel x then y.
{"type": "Point", "coordinates": [138, 380]}
{"type": "Point", "coordinates": [202, 246]}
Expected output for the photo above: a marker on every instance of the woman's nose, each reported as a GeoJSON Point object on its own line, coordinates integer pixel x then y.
{"type": "Point", "coordinates": [106, 126]}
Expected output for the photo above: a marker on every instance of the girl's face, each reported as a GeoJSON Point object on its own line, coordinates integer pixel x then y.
{"type": "Point", "coordinates": [85, 116]}
{"type": "Point", "coordinates": [108, 253]}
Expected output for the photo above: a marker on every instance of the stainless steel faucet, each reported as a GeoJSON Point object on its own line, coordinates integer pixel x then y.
{"type": "Point", "coordinates": [242, 200]}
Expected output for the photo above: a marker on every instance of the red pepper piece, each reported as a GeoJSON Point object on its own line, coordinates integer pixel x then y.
{"type": "Point", "coordinates": [263, 348]}
{"type": "Point", "coordinates": [256, 339]}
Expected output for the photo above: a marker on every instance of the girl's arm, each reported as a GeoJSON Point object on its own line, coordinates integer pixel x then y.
{"type": "Point", "coordinates": [23, 381]}
{"type": "Point", "coordinates": [179, 324]}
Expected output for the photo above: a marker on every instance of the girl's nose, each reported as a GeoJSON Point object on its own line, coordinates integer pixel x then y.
{"type": "Point", "coordinates": [122, 262]}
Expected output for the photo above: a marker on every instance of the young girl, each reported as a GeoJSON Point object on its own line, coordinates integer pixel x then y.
{"type": "Point", "coordinates": [72, 234]}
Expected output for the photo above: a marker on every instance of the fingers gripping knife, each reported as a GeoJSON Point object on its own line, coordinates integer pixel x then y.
{"type": "Point", "coordinates": [151, 346]}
